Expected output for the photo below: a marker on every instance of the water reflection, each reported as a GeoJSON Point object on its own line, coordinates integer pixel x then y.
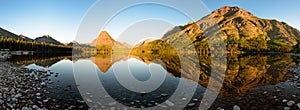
{"type": "Point", "coordinates": [243, 74]}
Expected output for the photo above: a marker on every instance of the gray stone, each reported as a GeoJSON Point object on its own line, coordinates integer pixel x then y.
{"type": "Point", "coordinates": [1, 101]}
{"type": "Point", "coordinates": [287, 108]}
{"type": "Point", "coordinates": [164, 95]}
{"type": "Point", "coordinates": [290, 103]}
{"type": "Point", "coordinates": [219, 108]}
{"type": "Point", "coordinates": [169, 103]}
{"type": "Point", "coordinates": [38, 94]}
{"type": "Point", "coordinates": [236, 107]}
{"type": "Point", "coordinates": [298, 104]}
{"type": "Point", "coordinates": [191, 104]}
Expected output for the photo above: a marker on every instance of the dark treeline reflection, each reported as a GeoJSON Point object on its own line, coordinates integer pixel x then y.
{"type": "Point", "coordinates": [45, 60]}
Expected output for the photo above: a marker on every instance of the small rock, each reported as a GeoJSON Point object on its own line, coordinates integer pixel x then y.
{"type": "Point", "coordinates": [290, 103]}
{"type": "Point", "coordinates": [80, 101]}
{"type": "Point", "coordinates": [265, 92]}
{"type": "Point", "coordinates": [236, 107]}
{"type": "Point", "coordinates": [164, 95]}
{"type": "Point", "coordinates": [219, 108]}
{"type": "Point", "coordinates": [71, 107]}
{"type": "Point", "coordinates": [287, 108]}
{"type": "Point", "coordinates": [195, 100]}
{"type": "Point", "coordinates": [294, 96]}
{"type": "Point", "coordinates": [132, 103]}
{"type": "Point", "coordinates": [38, 94]}
{"type": "Point", "coordinates": [43, 84]}
{"type": "Point", "coordinates": [14, 99]}
{"type": "Point", "coordinates": [45, 101]}
{"type": "Point", "coordinates": [35, 106]}
{"type": "Point", "coordinates": [169, 103]}
{"type": "Point", "coordinates": [191, 104]}
{"type": "Point", "coordinates": [298, 105]}
{"type": "Point", "coordinates": [284, 100]}
{"type": "Point", "coordinates": [112, 103]}
{"type": "Point", "coordinates": [89, 100]}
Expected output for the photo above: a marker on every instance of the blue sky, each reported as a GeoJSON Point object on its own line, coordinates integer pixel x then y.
{"type": "Point", "coordinates": [33, 18]}
{"type": "Point", "coordinates": [61, 18]}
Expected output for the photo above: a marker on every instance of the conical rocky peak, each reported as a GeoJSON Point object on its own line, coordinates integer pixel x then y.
{"type": "Point", "coordinates": [230, 11]}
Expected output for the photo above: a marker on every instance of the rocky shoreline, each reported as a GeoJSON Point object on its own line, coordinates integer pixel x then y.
{"type": "Point", "coordinates": [282, 96]}
{"type": "Point", "coordinates": [28, 89]}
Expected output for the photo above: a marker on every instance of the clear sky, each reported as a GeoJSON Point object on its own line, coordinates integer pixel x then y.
{"type": "Point", "coordinates": [61, 18]}
{"type": "Point", "coordinates": [33, 18]}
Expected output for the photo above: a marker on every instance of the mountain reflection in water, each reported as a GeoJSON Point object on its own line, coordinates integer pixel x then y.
{"type": "Point", "coordinates": [244, 72]}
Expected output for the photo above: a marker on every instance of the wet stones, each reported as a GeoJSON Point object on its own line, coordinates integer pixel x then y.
{"type": "Point", "coordinates": [28, 89]}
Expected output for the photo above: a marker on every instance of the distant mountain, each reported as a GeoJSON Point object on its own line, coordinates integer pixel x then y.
{"type": "Point", "coordinates": [5, 33]}
{"type": "Point", "coordinates": [125, 44]}
{"type": "Point", "coordinates": [73, 43]}
{"type": "Point", "coordinates": [25, 38]}
{"type": "Point", "coordinates": [48, 39]}
{"type": "Point", "coordinates": [241, 31]}
{"type": "Point", "coordinates": [104, 40]}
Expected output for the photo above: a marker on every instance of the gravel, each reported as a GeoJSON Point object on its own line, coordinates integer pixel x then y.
{"type": "Point", "coordinates": [27, 89]}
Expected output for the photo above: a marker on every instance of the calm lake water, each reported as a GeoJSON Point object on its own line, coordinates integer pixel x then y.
{"type": "Point", "coordinates": [106, 81]}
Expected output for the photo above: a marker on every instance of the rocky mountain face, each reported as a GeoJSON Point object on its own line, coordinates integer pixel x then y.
{"type": "Point", "coordinates": [5, 33]}
{"type": "Point", "coordinates": [48, 39]}
{"type": "Point", "coordinates": [240, 29]}
{"type": "Point", "coordinates": [237, 22]}
{"type": "Point", "coordinates": [104, 40]}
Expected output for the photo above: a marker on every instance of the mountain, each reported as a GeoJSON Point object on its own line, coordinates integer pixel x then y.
{"type": "Point", "coordinates": [25, 38]}
{"type": "Point", "coordinates": [48, 39]}
{"type": "Point", "coordinates": [240, 29]}
{"type": "Point", "coordinates": [104, 40]}
{"type": "Point", "coordinates": [5, 33]}
{"type": "Point", "coordinates": [237, 22]}
{"type": "Point", "coordinates": [73, 43]}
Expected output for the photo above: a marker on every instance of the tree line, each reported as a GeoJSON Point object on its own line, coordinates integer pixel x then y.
{"type": "Point", "coordinates": [37, 47]}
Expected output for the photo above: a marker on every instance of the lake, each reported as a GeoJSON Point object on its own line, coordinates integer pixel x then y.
{"type": "Point", "coordinates": [173, 82]}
